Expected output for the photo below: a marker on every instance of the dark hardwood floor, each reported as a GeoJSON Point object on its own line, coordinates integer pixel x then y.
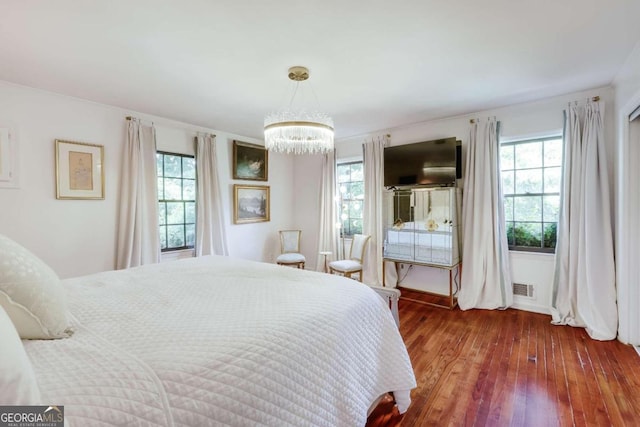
{"type": "Point", "coordinates": [511, 368]}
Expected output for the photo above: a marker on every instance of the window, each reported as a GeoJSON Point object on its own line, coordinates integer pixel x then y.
{"type": "Point", "coordinates": [176, 200]}
{"type": "Point", "coordinates": [531, 174]}
{"type": "Point", "coordinates": [351, 191]}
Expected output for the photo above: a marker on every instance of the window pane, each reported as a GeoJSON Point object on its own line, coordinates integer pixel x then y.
{"type": "Point", "coordinates": [507, 182]}
{"type": "Point", "coordinates": [553, 152]}
{"type": "Point", "coordinates": [160, 188]}
{"type": "Point", "coordinates": [163, 237]}
{"type": "Point", "coordinates": [528, 234]}
{"type": "Point", "coordinates": [353, 210]}
{"type": "Point", "coordinates": [172, 166]}
{"type": "Point", "coordinates": [508, 209]}
{"type": "Point", "coordinates": [343, 173]}
{"type": "Point", "coordinates": [510, 234]}
{"type": "Point", "coordinates": [175, 236]}
{"type": "Point", "coordinates": [191, 234]}
{"type": "Point", "coordinates": [189, 167]}
{"type": "Point", "coordinates": [531, 200]}
{"type": "Point", "coordinates": [356, 226]}
{"type": "Point", "coordinates": [159, 164]}
{"type": "Point", "coordinates": [172, 189]}
{"type": "Point", "coordinates": [506, 157]}
{"type": "Point", "coordinates": [528, 155]}
{"type": "Point", "coordinates": [346, 229]}
{"type": "Point", "coordinates": [162, 212]}
{"type": "Point", "coordinates": [190, 212]}
{"type": "Point", "coordinates": [188, 189]}
{"type": "Point", "coordinates": [528, 181]}
{"type": "Point", "coordinates": [551, 208]}
{"type": "Point", "coordinates": [552, 180]}
{"type": "Point", "coordinates": [357, 190]}
{"type": "Point", "coordinates": [550, 231]}
{"type": "Point", "coordinates": [175, 213]}
{"type": "Point", "coordinates": [356, 172]}
{"type": "Point", "coordinates": [527, 208]}
{"type": "Point", "coordinates": [351, 191]}
{"type": "Point", "coordinates": [344, 212]}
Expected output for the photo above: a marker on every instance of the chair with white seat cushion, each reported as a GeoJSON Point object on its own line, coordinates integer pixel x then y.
{"type": "Point", "coordinates": [290, 248]}
{"type": "Point", "coordinates": [355, 261]}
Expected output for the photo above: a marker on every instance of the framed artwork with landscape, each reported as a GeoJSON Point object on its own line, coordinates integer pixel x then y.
{"type": "Point", "coordinates": [250, 161]}
{"type": "Point", "coordinates": [250, 203]}
{"type": "Point", "coordinates": [79, 170]}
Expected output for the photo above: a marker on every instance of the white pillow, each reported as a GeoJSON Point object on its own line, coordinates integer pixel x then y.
{"type": "Point", "coordinates": [31, 293]}
{"type": "Point", "coordinates": [18, 384]}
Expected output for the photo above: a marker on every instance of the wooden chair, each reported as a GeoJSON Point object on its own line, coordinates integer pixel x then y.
{"type": "Point", "coordinates": [355, 261]}
{"type": "Point", "coordinates": [290, 249]}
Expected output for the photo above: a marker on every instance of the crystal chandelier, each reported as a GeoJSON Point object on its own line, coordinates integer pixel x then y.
{"type": "Point", "coordinates": [301, 131]}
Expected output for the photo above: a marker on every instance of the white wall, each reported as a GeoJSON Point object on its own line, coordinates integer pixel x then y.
{"type": "Point", "coordinates": [77, 237]}
{"type": "Point", "coordinates": [627, 93]}
{"type": "Point", "coordinates": [517, 121]}
{"type": "Point", "coordinates": [306, 205]}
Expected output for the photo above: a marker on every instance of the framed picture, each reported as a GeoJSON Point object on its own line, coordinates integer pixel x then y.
{"type": "Point", "coordinates": [250, 161]}
{"type": "Point", "coordinates": [250, 203]}
{"type": "Point", "coordinates": [79, 170]}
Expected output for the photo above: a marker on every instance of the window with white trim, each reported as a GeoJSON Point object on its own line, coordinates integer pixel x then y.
{"type": "Point", "coordinates": [176, 200]}
{"type": "Point", "coordinates": [531, 172]}
{"type": "Point", "coordinates": [351, 193]}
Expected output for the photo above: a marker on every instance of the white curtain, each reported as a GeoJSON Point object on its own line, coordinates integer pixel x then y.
{"type": "Point", "coordinates": [486, 274]}
{"type": "Point", "coordinates": [138, 233]}
{"type": "Point", "coordinates": [584, 290]}
{"type": "Point", "coordinates": [211, 237]}
{"type": "Point", "coordinates": [373, 156]}
{"type": "Point", "coordinates": [628, 256]}
{"type": "Point", "coordinates": [328, 235]}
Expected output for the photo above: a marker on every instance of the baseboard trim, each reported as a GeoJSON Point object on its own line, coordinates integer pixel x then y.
{"type": "Point", "coordinates": [532, 308]}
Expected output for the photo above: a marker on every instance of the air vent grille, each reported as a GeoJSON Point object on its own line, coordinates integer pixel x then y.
{"type": "Point", "coordinates": [523, 289]}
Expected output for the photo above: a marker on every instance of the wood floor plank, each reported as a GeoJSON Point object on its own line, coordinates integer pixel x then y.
{"type": "Point", "coordinates": [511, 368]}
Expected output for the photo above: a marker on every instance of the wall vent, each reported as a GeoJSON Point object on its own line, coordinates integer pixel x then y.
{"type": "Point", "coordinates": [523, 289]}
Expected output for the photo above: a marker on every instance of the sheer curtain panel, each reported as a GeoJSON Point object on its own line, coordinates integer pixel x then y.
{"type": "Point", "coordinates": [211, 237]}
{"type": "Point", "coordinates": [373, 156]}
{"type": "Point", "coordinates": [584, 290]}
{"type": "Point", "coordinates": [328, 236]}
{"type": "Point", "coordinates": [138, 233]}
{"type": "Point", "coordinates": [486, 274]}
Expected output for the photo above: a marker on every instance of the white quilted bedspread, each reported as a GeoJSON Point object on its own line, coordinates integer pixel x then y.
{"type": "Point", "coordinates": [221, 341]}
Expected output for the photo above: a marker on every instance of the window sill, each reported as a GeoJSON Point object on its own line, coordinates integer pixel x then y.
{"type": "Point", "coordinates": [179, 254]}
{"type": "Point", "coordinates": [524, 254]}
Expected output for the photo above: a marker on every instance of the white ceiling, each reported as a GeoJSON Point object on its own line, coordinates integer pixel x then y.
{"type": "Point", "coordinates": [374, 64]}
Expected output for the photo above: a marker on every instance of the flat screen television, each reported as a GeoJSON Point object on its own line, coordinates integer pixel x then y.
{"type": "Point", "coordinates": [428, 163]}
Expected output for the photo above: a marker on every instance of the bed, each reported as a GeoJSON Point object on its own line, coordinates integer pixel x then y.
{"type": "Point", "coordinates": [222, 341]}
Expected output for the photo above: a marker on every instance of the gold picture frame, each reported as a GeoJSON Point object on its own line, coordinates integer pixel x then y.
{"type": "Point", "coordinates": [250, 161]}
{"type": "Point", "coordinates": [79, 170]}
{"type": "Point", "coordinates": [251, 203]}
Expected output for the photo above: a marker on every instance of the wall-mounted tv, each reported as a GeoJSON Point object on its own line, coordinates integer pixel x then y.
{"type": "Point", "coordinates": [428, 163]}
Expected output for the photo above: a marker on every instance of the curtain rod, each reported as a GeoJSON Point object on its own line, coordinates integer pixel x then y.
{"type": "Point", "coordinates": [129, 118]}
{"type": "Point", "coordinates": [475, 121]}
{"type": "Point", "coordinates": [213, 135]}
{"type": "Point", "coordinates": [594, 99]}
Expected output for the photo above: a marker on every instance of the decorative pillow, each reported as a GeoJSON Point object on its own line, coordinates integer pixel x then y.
{"type": "Point", "coordinates": [31, 294]}
{"type": "Point", "coordinates": [18, 384]}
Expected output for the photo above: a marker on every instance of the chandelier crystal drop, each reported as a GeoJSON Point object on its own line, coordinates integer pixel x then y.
{"type": "Point", "coordinates": [298, 132]}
